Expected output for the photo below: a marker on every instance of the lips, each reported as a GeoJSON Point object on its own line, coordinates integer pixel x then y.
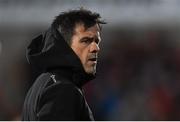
{"type": "Point", "coordinates": [93, 59]}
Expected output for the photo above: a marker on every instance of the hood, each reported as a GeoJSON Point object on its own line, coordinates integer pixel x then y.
{"type": "Point", "coordinates": [50, 51]}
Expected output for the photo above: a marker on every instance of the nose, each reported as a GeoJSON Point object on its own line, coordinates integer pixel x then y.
{"type": "Point", "coordinates": [94, 48]}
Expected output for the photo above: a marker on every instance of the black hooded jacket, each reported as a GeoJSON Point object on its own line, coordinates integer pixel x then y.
{"type": "Point", "coordinates": [57, 93]}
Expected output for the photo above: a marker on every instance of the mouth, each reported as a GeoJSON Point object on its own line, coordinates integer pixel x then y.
{"type": "Point", "coordinates": [93, 59]}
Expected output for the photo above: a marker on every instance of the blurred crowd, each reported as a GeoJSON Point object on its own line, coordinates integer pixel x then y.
{"type": "Point", "coordinates": [139, 77]}
{"type": "Point", "coordinates": [139, 64]}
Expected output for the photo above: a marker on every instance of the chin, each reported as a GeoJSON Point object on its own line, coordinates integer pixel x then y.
{"type": "Point", "coordinates": [92, 72]}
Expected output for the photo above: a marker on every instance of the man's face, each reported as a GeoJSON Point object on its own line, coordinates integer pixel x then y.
{"type": "Point", "coordinates": [85, 43]}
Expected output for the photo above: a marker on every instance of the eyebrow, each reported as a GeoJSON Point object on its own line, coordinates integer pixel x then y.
{"type": "Point", "coordinates": [91, 38]}
{"type": "Point", "coordinates": [97, 40]}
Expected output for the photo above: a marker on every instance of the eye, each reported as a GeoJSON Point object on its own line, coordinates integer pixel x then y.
{"type": "Point", "coordinates": [97, 41]}
{"type": "Point", "coordinates": [86, 40]}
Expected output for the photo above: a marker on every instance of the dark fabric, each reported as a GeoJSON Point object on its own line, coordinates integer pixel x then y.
{"type": "Point", "coordinates": [57, 92]}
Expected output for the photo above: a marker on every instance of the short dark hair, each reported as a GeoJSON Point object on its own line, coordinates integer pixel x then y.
{"type": "Point", "coordinates": [65, 22]}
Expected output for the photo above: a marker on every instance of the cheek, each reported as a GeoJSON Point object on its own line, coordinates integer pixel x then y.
{"type": "Point", "coordinates": [84, 55]}
{"type": "Point", "coordinates": [81, 51]}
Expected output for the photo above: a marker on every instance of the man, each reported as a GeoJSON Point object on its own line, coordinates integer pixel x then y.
{"type": "Point", "coordinates": [66, 54]}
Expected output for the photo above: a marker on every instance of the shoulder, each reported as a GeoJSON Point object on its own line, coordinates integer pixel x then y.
{"type": "Point", "coordinates": [48, 84]}
{"type": "Point", "coordinates": [60, 101]}
{"type": "Point", "coordinates": [61, 90]}
{"type": "Point", "coordinates": [58, 92]}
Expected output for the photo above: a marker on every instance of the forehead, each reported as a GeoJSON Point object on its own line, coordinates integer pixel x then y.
{"type": "Point", "coordinates": [80, 29]}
